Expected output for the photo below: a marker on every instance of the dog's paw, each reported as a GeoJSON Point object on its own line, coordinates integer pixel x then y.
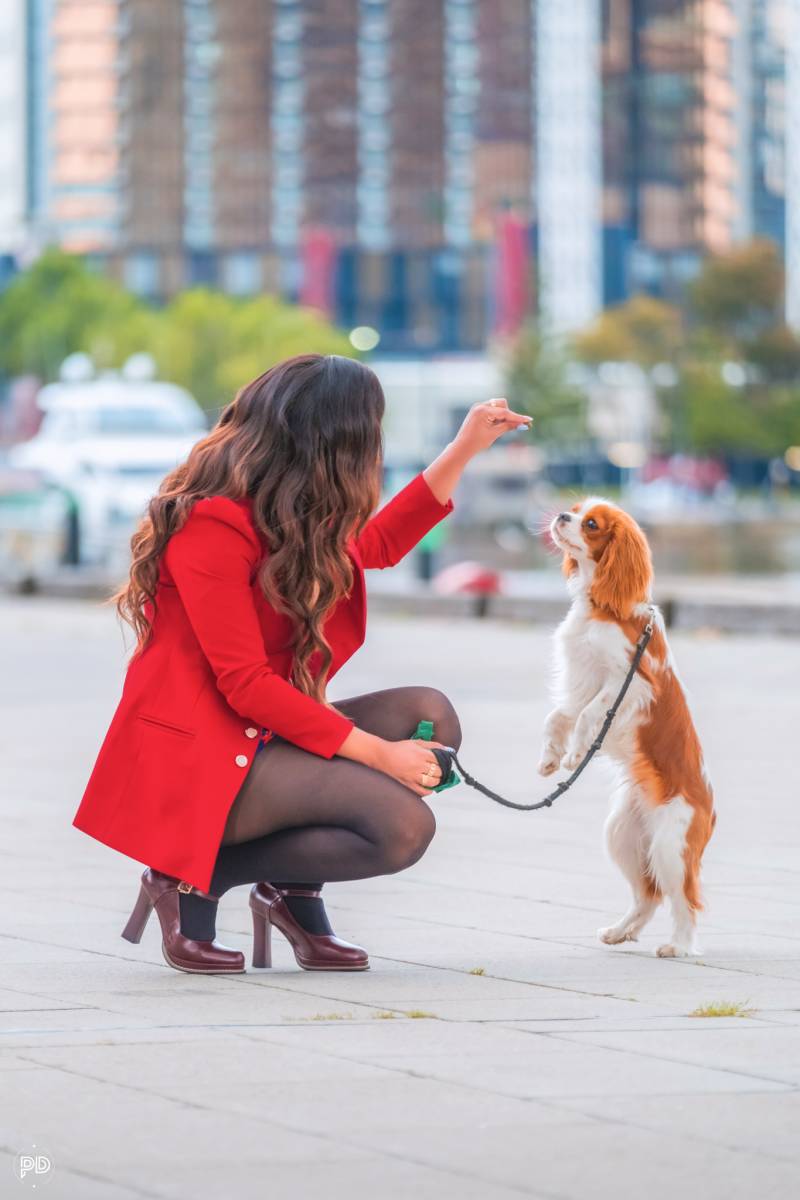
{"type": "Point", "coordinates": [573, 757]}
{"type": "Point", "coordinates": [612, 935]}
{"type": "Point", "coordinates": [673, 950]}
{"type": "Point", "coordinates": [549, 761]}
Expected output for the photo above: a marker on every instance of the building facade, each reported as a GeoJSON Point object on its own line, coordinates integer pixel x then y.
{"type": "Point", "coordinates": [13, 156]}
{"type": "Point", "coordinates": [437, 169]}
{"type": "Point", "coordinates": [669, 140]}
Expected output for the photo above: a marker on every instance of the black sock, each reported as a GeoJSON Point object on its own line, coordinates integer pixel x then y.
{"type": "Point", "coordinates": [308, 911]}
{"type": "Point", "coordinates": [198, 917]}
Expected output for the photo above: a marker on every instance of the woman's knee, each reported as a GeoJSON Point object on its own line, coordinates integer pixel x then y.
{"type": "Point", "coordinates": [436, 707]}
{"type": "Point", "coordinates": [409, 836]}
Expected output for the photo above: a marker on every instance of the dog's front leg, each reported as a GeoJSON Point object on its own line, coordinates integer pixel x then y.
{"type": "Point", "coordinates": [587, 727]}
{"type": "Point", "coordinates": [557, 729]}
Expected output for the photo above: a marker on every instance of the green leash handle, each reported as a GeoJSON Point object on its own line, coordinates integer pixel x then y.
{"type": "Point", "coordinates": [424, 733]}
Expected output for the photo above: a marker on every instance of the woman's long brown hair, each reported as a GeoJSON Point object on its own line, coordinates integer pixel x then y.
{"type": "Point", "coordinates": [304, 442]}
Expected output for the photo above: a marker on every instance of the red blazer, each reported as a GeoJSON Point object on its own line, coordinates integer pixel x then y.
{"type": "Point", "coordinates": [215, 671]}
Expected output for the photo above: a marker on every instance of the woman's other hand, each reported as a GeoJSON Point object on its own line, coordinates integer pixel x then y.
{"type": "Point", "coordinates": [409, 762]}
{"type": "Point", "coordinates": [412, 764]}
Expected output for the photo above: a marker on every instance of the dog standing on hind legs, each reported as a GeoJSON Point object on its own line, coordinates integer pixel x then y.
{"type": "Point", "coordinates": [663, 811]}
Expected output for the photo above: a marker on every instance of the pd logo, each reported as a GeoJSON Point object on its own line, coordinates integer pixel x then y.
{"type": "Point", "coordinates": [33, 1167]}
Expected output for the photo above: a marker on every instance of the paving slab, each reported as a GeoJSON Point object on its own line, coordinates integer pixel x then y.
{"type": "Point", "coordinates": [494, 1049]}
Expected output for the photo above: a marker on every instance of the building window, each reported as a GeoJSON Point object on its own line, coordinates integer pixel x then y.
{"type": "Point", "coordinates": [241, 273]}
{"type": "Point", "coordinates": [201, 52]}
{"type": "Point", "coordinates": [142, 273]}
{"type": "Point", "coordinates": [462, 92]}
{"type": "Point", "coordinates": [288, 98]}
{"type": "Point", "coordinates": [374, 136]}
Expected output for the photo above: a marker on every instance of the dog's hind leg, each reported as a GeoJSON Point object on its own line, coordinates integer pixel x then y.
{"type": "Point", "coordinates": [626, 842]}
{"type": "Point", "coordinates": [676, 870]}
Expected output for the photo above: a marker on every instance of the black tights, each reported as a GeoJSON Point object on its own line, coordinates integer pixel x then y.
{"type": "Point", "coordinates": [301, 817]}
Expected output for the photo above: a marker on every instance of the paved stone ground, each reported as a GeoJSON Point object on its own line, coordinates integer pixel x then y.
{"type": "Point", "coordinates": [494, 1050]}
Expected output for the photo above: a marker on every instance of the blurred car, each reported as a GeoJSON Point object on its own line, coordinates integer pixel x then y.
{"type": "Point", "coordinates": [34, 527]}
{"type": "Point", "coordinates": [108, 443]}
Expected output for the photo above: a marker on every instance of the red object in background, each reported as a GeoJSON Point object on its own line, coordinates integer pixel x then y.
{"type": "Point", "coordinates": [511, 275]}
{"type": "Point", "coordinates": [684, 470]}
{"type": "Point", "coordinates": [319, 261]}
{"type": "Point", "coordinates": [469, 578]}
{"type": "Point", "coordinates": [21, 417]}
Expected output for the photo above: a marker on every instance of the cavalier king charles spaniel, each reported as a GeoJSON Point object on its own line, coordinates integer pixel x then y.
{"type": "Point", "coordinates": [663, 810]}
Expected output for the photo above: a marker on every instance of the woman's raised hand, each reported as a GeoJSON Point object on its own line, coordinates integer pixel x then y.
{"type": "Point", "coordinates": [485, 423]}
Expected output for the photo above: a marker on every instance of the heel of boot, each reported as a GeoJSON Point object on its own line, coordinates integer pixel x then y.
{"type": "Point", "coordinates": [138, 919]}
{"type": "Point", "coordinates": [262, 940]}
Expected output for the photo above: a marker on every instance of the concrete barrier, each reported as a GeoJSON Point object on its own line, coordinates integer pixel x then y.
{"type": "Point", "coordinates": [735, 606]}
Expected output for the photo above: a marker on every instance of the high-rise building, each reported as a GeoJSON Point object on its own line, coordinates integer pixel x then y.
{"type": "Point", "coordinates": [568, 163]}
{"type": "Point", "coordinates": [435, 168]}
{"type": "Point", "coordinates": [792, 163]}
{"type": "Point", "coordinates": [13, 157]}
{"type": "Point", "coordinates": [669, 140]}
{"type": "Point", "coordinates": [84, 184]}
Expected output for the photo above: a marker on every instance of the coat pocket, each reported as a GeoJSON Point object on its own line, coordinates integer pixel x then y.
{"type": "Point", "coordinates": [167, 726]}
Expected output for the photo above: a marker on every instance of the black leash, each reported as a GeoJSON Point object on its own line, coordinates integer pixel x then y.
{"type": "Point", "coordinates": [472, 782]}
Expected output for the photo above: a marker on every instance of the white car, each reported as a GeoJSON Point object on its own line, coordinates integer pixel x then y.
{"type": "Point", "coordinates": [108, 443]}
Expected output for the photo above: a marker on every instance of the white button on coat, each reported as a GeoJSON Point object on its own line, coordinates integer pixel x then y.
{"type": "Point", "coordinates": [241, 760]}
{"type": "Point", "coordinates": [251, 732]}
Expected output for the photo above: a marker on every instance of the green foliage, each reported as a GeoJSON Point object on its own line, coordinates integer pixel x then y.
{"type": "Point", "coordinates": [776, 354]}
{"type": "Point", "coordinates": [643, 330]}
{"type": "Point", "coordinates": [709, 416]}
{"type": "Point", "coordinates": [734, 316]}
{"type": "Point", "coordinates": [213, 344]}
{"type": "Point", "coordinates": [58, 306]}
{"type": "Point", "coordinates": [538, 382]}
{"type": "Point", "coordinates": [207, 341]}
{"type": "Point", "coordinates": [740, 293]}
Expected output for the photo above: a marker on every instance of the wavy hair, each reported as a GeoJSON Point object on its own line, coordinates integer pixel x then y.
{"type": "Point", "coordinates": [304, 442]}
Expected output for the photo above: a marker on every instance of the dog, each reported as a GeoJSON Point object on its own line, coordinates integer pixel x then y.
{"type": "Point", "coordinates": [662, 813]}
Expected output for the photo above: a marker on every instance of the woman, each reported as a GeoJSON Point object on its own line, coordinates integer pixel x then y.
{"type": "Point", "coordinates": [224, 763]}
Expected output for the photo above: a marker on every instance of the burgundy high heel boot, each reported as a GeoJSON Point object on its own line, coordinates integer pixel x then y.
{"type": "Point", "coordinates": [160, 892]}
{"type": "Point", "coordinates": [313, 951]}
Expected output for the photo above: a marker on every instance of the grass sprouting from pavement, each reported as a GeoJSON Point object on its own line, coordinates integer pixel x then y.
{"type": "Point", "coordinates": [724, 1008]}
{"type": "Point", "coordinates": [478, 971]}
{"type": "Point", "coordinates": [419, 1014]}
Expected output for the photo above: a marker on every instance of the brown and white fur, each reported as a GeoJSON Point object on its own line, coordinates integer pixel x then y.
{"type": "Point", "coordinates": [663, 810]}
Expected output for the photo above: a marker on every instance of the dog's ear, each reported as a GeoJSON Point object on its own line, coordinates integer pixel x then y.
{"type": "Point", "coordinates": [569, 565]}
{"type": "Point", "coordinates": [624, 573]}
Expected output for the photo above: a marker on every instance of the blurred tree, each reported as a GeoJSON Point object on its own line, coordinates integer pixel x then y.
{"type": "Point", "coordinates": [58, 306]}
{"type": "Point", "coordinates": [213, 344]}
{"type": "Point", "coordinates": [642, 330]}
{"type": "Point", "coordinates": [776, 353]}
{"type": "Point", "coordinates": [740, 293]}
{"type": "Point", "coordinates": [718, 418]}
{"type": "Point", "coordinates": [205, 340]}
{"type": "Point", "coordinates": [539, 382]}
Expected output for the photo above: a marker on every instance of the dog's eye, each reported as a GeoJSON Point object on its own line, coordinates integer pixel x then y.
{"type": "Point", "coordinates": [591, 523]}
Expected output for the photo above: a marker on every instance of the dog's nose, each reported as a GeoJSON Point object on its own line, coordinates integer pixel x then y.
{"type": "Point", "coordinates": [564, 517]}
